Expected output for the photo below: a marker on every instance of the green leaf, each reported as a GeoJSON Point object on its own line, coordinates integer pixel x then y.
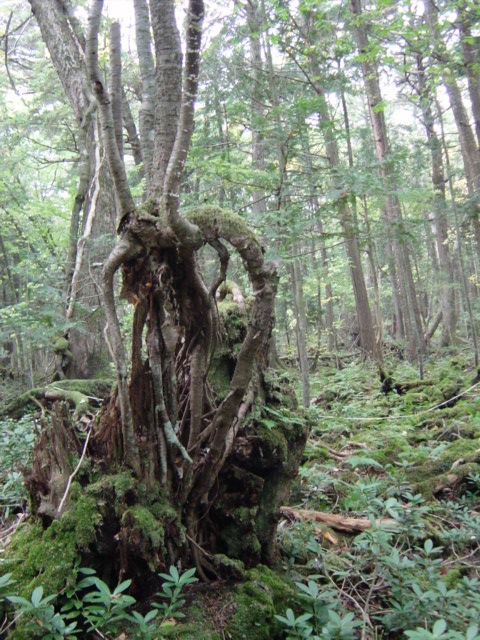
{"type": "Point", "coordinates": [363, 461]}
{"type": "Point", "coordinates": [122, 587]}
{"type": "Point", "coordinates": [439, 628]}
{"type": "Point", "coordinates": [37, 596]}
{"type": "Point", "coordinates": [428, 546]}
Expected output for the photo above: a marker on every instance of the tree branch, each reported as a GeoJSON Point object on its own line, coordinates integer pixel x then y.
{"type": "Point", "coordinates": [115, 161]}
{"type": "Point", "coordinates": [168, 89]}
{"type": "Point", "coordinates": [116, 83]}
{"type": "Point", "coordinates": [123, 251]}
{"type": "Point", "coordinates": [176, 163]}
{"type": "Point", "coordinates": [147, 73]}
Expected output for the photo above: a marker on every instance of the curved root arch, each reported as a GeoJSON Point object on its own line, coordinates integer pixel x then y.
{"type": "Point", "coordinates": [217, 224]}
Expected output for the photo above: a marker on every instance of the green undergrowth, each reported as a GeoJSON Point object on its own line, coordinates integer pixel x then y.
{"type": "Point", "coordinates": [242, 611]}
{"type": "Point", "coordinates": [397, 456]}
{"type": "Point", "coordinates": [16, 444]}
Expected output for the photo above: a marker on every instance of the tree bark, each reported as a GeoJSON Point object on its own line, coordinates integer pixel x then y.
{"type": "Point", "coordinates": [471, 54]}
{"type": "Point", "coordinates": [468, 145]}
{"type": "Point", "coordinates": [446, 276]}
{"type": "Point", "coordinates": [95, 194]}
{"type": "Point", "coordinates": [364, 315]}
{"type": "Point", "coordinates": [393, 217]}
{"type": "Point", "coordinates": [300, 328]}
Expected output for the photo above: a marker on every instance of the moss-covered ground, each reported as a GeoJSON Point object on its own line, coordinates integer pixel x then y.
{"type": "Point", "coordinates": [412, 455]}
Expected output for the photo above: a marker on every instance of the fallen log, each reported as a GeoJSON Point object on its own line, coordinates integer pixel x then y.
{"type": "Point", "coordinates": [339, 522]}
{"type": "Point", "coordinates": [79, 393]}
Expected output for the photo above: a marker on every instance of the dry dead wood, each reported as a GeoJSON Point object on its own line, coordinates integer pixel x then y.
{"type": "Point", "coordinates": [339, 522]}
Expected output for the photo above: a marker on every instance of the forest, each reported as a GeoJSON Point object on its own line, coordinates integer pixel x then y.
{"type": "Point", "coordinates": [240, 319]}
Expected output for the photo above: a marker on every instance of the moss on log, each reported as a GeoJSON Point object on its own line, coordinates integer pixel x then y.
{"type": "Point", "coordinates": [79, 393]}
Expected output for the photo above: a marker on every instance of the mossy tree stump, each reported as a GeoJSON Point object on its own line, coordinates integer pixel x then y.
{"type": "Point", "coordinates": [200, 463]}
{"type": "Point", "coordinates": [138, 525]}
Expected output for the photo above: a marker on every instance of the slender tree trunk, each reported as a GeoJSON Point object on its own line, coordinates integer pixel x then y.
{"type": "Point", "coordinates": [328, 299]}
{"type": "Point", "coordinates": [447, 293]}
{"type": "Point", "coordinates": [468, 145]}
{"type": "Point", "coordinates": [394, 221]}
{"type": "Point", "coordinates": [256, 101]}
{"type": "Point", "coordinates": [364, 315]}
{"type": "Point", "coordinates": [373, 270]}
{"type": "Point", "coordinates": [14, 345]}
{"type": "Point", "coordinates": [93, 214]}
{"type": "Point", "coordinates": [322, 274]}
{"type": "Point", "coordinates": [471, 56]}
{"type": "Point", "coordinates": [316, 268]}
{"type": "Point", "coordinates": [300, 327]}
{"type": "Point", "coordinates": [459, 240]}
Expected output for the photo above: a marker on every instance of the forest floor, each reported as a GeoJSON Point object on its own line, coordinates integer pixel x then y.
{"type": "Point", "coordinates": [401, 471]}
{"type": "Point", "coordinates": [411, 456]}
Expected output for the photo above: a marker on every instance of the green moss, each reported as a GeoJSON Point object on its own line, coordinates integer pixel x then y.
{"type": "Point", "coordinates": [61, 345]}
{"type": "Point", "coordinates": [234, 320]}
{"type": "Point", "coordinates": [273, 443]}
{"type": "Point", "coordinates": [213, 219]}
{"type": "Point", "coordinates": [467, 450]}
{"type": "Point", "coordinates": [189, 631]}
{"type": "Point", "coordinates": [36, 557]}
{"type": "Point", "coordinates": [219, 375]}
{"type": "Point", "coordinates": [242, 543]}
{"type": "Point", "coordinates": [198, 624]}
{"type": "Point", "coordinates": [234, 327]}
{"type": "Point", "coordinates": [76, 391]}
{"type": "Point", "coordinates": [99, 387]}
{"type": "Point", "coordinates": [234, 568]}
{"type": "Point", "coordinates": [257, 600]}
{"type": "Point", "coordinates": [247, 613]}
{"type": "Point", "coordinates": [315, 452]}
{"type": "Point", "coordinates": [163, 510]}
{"type": "Point", "coordinates": [244, 515]}
{"type": "Point", "coordinates": [452, 578]}
{"type": "Point", "coordinates": [83, 517]}
{"type": "Point", "coordinates": [113, 489]}
{"type": "Point", "coordinates": [140, 520]}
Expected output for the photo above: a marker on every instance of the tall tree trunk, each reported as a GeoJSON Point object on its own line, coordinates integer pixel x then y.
{"type": "Point", "coordinates": [373, 270]}
{"type": "Point", "coordinates": [468, 145]}
{"type": "Point", "coordinates": [300, 327]}
{"type": "Point", "coordinates": [329, 319]}
{"type": "Point", "coordinates": [319, 311]}
{"type": "Point", "coordinates": [394, 221]}
{"type": "Point", "coordinates": [471, 56]}
{"type": "Point", "coordinates": [459, 240]}
{"type": "Point", "coordinates": [256, 101]}
{"type": "Point", "coordinates": [446, 276]}
{"type": "Point", "coordinates": [364, 315]}
{"type": "Point", "coordinates": [93, 214]}
{"type": "Point", "coordinates": [323, 273]}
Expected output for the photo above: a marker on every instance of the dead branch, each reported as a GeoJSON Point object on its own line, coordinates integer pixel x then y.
{"type": "Point", "coordinates": [339, 522]}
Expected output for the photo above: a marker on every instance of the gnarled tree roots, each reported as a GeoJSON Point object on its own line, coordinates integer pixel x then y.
{"type": "Point", "coordinates": [206, 476]}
